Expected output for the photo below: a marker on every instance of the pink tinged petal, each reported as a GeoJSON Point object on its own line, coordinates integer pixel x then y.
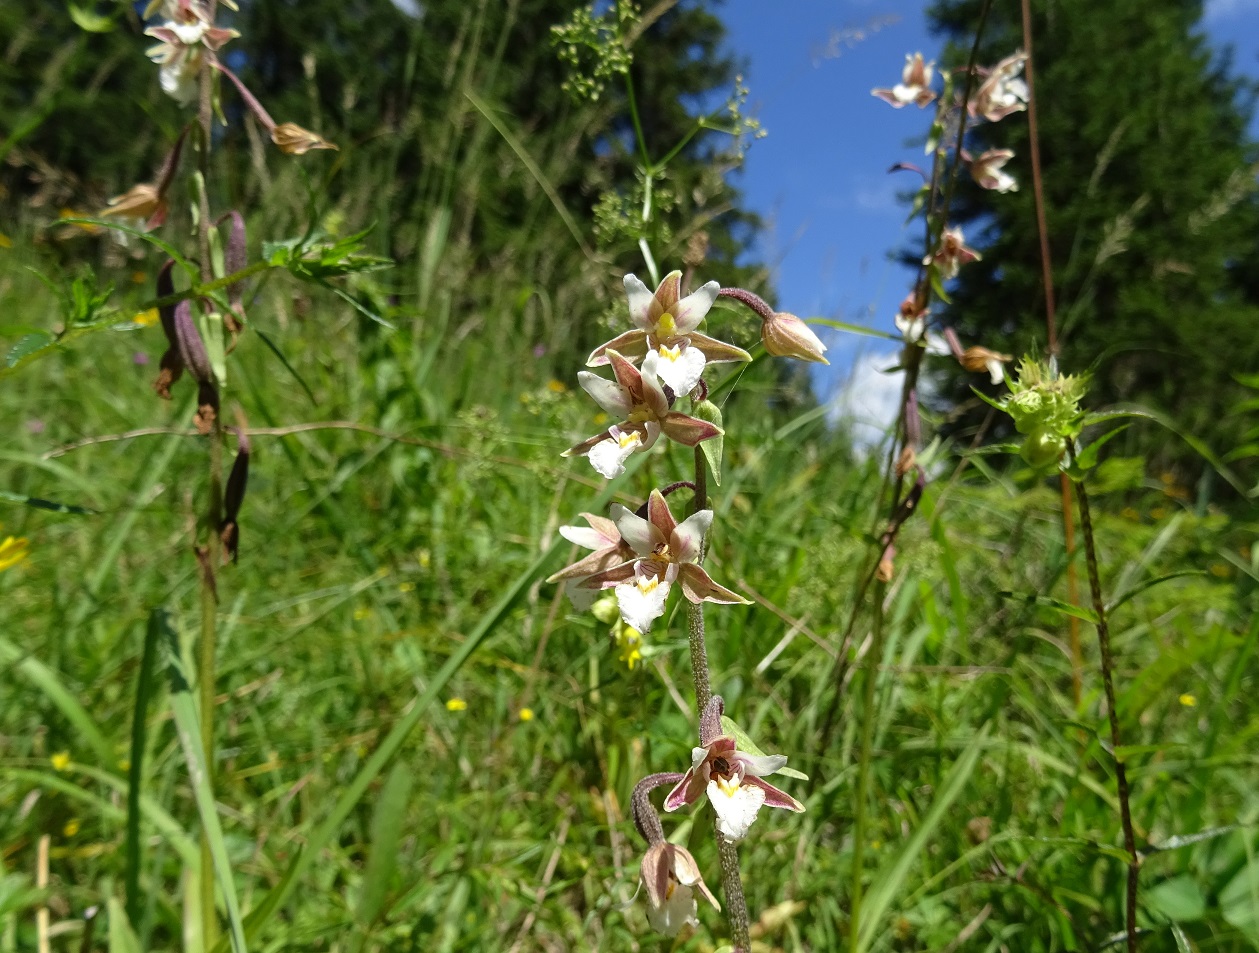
{"type": "Point", "coordinates": [653, 394]}
{"type": "Point", "coordinates": [607, 578]}
{"type": "Point", "coordinates": [687, 540]}
{"type": "Point", "coordinates": [661, 518]}
{"type": "Point", "coordinates": [627, 375]}
{"type": "Point", "coordinates": [667, 294]}
{"type": "Point", "coordinates": [773, 796]}
{"type": "Point", "coordinates": [736, 805]}
{"type": "Point", "coordinates": [759, 765]}
{"type": "Point", "coordinates": [686, 871]}
{"type": "Point", "coordinates": [690, 311]}
{"type": "Point", "coordinates": [641, 601]}
{"type": "Point", "coordinates": [684, 792]}
{"type": "Point", "coordinates": [607, 394]}
{"type": "Point", "coordinates": [594, 563]}
{"type": "Point", "coordinates": [583, 536]}
{"type": "Point", "coordinates": [631, 345]}
{"type": "Point", "coordinates": [641, 302]}
{"type": "Point", "coordinates": [642, 536]}
{"type": "Point", "coordinates": [656, 868]}
{"type": "Point", "coordinates": [699, 587]}
{"type": "Point", "coordinates": [688, 431]}
{"type": "Point", "coordinates": [888, 96]}
{"type": "Point", "coordinates": [717, 352]}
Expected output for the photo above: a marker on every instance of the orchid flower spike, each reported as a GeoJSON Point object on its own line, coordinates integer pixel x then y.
{"type": "Point", "coordinates": [733, 780]}
{"type": "Point", "coordinates": [665, 551]}
{"type": "Point", "coordinates": [637, 397]}
{"type": "Point", "coordinates": [665, 323]}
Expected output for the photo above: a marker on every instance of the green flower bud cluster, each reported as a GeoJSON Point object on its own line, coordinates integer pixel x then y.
{"type": "Point", "coordinates": [1046, 410]}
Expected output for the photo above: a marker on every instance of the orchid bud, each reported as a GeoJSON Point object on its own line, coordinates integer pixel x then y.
{"type": "Point", "coordinates": [293, 140]}
{"type": "Point", "coordinates": [785, 335]}
{"type": "Point", "coordinates": [978, 359]}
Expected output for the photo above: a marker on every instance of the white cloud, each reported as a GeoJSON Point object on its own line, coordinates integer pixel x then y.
{"type": "Point", "coordinates": [869, 400]}
{"type": "Point", "coordinates": [1226, 9]}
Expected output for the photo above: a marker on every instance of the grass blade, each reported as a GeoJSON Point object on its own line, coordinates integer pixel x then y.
{"type": "Point", "coordinates": [144, 690]}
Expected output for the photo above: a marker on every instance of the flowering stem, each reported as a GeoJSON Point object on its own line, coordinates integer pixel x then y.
{"type": "Point", "coordinates": [209, 556]}
{"type": "Point", "coordinates": [1121, 771]}
{"type": "Point", "coordinates": [736, 907]}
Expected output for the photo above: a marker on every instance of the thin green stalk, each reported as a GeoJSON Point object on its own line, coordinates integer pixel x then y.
{"type": "Point", "coordinates": [863, 766]}
{"type": "Point", "coordinates": [1108, 681]}
{"type": "Point", "coordinates": [736, 907]}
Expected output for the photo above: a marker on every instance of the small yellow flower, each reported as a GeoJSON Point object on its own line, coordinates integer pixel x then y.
{"type": "Point", "coordinates": [139, 277]}
{"type": "Point", "coordinates": [556, 387]}
{"type": "Point", "coordinates": [13, 551]}
{"type": "Point", "coordinates": [525, 714]}
{"type": "Point", "coordinates": [147, 317]}
{"type": "Point", "coordinates": [425, 558]}
{"type": "Point", "coordinates": [456, 704]}
{"type": "Point", "coordinates": [71, 828]}
{"type": "Point", "coordinates": [406, 587]}
{"type": "Point", "coordinates": [5, 241]}
{"type": "Point", "coordinates": [600, 419]}
{"type": "Point", "coordinates": [1221, 570]}
{"type": "Point", "coordinates": [1189, 701]}
{"type": "Point", "coordinates": [361, 613]}
{"type": "Point", "coordinates": [629, 643]}
{"type": "Point", "coordinates": [60, 761]}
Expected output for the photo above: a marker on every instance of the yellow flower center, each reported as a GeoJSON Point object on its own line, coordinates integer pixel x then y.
{"type": "Point", "coordinates": [666, 327]}
{"type": "Point", "coordinates": [630, 439]}
{"type": "Point", "coordinates": [647, 584]}
{"type": "Point", "coordinates": [671, 353]}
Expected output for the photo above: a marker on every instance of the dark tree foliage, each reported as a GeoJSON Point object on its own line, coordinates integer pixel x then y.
{"type": "Point", "coordinates": [1152, 214]}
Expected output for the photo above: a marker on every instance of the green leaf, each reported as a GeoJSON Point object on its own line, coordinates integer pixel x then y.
{"type": "Point", "coordinates": [744, 742]}
{"type": "Point", "coordinates": [853, 328]}
{"type": "Point", "coordinates": [145, 685]}
{"type": "Point", "coordinates": [1150, 584]}
{"type": "Point", "coordinates": [382, 859]}
{"type": "Point", "coordinates": [1086, 459]}
{"type": "Point", "coordinates": [188, 728]}
{"type": "Point", "coordinates": [23, 500]}
{"type": "Point", "coordinates": [1239, 900]}
{"type": "Point", "coordinates": [937, 284]}
{"type": "Point", "coordinates": [122, 938]}
{"type": "Point", "coordinates": [1179, 899]}
{"type": "Point", "coordinates": [709, 412]}
{"type": "Point", "coordinates": [91, 22]}
{"type": "Point", "coordinates": [1066, 608]}
{"type": "Point", "coordinates": [28, 345]}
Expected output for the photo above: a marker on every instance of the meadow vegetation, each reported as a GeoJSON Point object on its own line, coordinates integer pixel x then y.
{"type": "Point", "coordinates": [417, 743]}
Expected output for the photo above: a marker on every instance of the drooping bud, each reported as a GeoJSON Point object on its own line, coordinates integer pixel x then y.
{"type": "Point", "coordinates": [785, 335]}
{"type": "Point", "coordinates": [234, 492]}
{"type": "Point", "coordinates": [293, 140]}
{"type": "Point", "coordinates": [979, 359]}
{"type": "Point", "coordinates": [234, 260]}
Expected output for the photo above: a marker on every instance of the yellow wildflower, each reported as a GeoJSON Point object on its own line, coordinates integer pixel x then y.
{"type": "Point", "coordinates": [13, 551]}
{"type": "Point", "coordinates": [60, 761]}
{"type": "Point", "coordinates": [525, 714]}
{"type": "Point", "coordinates": [71, 828]}
{"type": "Point", "coordinates": [147, 317]}
{"type": "Point", "coordinates": [556, 387]}
{"type": "Point", "coordinates": [629, 643]}
{"type": "Point", "coordinates": [361, 613]}
{"type": "Point", "coordinates": [456, 704]}
{"type": "Point", "coordinates": [5, 241]}
{"type": "Point", "coordinates": [406, 587]}
{"type": "Point", "coordinates": [1189, 701]}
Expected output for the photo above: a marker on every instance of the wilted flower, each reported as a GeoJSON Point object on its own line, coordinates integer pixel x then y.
{"type": "Point", "coordinates": [670, 878]}
{"type": "Point", "coordinates": [1003, 92]}
{"type": "Point", "coordinates": [666, 551]}
{"type": "Point", "coordinates": [665, 324]}
{"type": "Point", "coordinates": [911, 320]}
{"type": "Point", "coordinates": [987, 170]}
{"type": "Point", "coordinates": [977, 359]}
{"type": "Point", "coordinates": [732, 779]}
{"type": "Point", "coordinates": [142, 206]}
{"type": "Point", "coordinates": [951, 254]}
{"type": "Point", "coordinates": [295, 141]}
{"type": "Point", "coordinates": [637, 397]}
{"type": "Point", "coordinates": [785, 335]}
{"type": "Point", "coordinates": [914, 86]}
{"type": "Point", "coordinates": [186, 35]}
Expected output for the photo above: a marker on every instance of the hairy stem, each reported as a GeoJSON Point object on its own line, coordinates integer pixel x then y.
{"type": "Point", "coordinates": [1121, 772]}
{"type": "Point", "coordinates": [214, 505]}
{"type": "Point", "coordinates": [736, 906]}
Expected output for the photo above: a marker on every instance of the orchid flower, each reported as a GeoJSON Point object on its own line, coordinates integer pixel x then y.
{"type": "Point", "coordinates": [666, 551]}
{"type": "Point", "coordinates": [911, 320]}
{"type": "Point", "coordinates": [185, 36]}
{"type": "Point", "coordinates": [669, 873]}
{"type": "Point", "coordinates": [733, 780]}
{"type": "Point", "coordinates": [665, 323]}
{"type": "Point", "coordinates": [986, 170]}
{"type": "Point", "coordinates": [609, 550]}
{"type": "Point", "coordinates": [951, 254]}
{"type": "Point", "coordinates": [915, 84]}
{"type": "Point", "coordinates": [637, 397]}
{"type": "Point", "coordinates": [977, 359]}
{"type": "Point", "coordinates": [785, 335]}
{"type": "Point", "coordinates": [1004, 91]}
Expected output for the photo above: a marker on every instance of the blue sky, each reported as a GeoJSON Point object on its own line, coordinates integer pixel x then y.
{"type": "Point", "coordinates": [820, 178]}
